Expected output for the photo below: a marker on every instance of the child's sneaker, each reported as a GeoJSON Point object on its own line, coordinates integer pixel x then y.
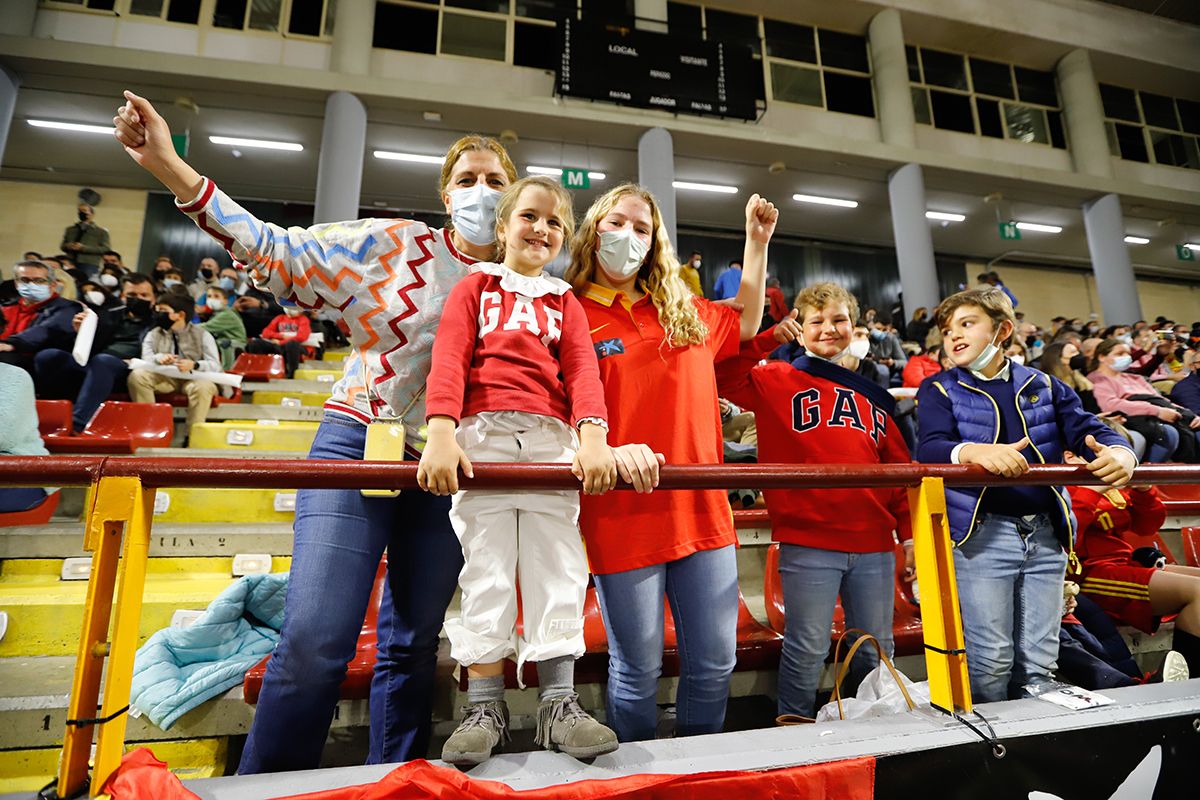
{"type": "Point", "coordinates": [484, 726]}
{"type": "Point", "coordinates": [562, 724]}
{"type": "Point", "coordinates": [1175, 667]}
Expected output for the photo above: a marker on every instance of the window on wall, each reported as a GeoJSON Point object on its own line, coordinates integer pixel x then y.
{"type": "Point", "coordinates": [819, 67]}
{"type": "Point", "coordinates": [955, 92]}
{"type": "Point", "coordinates": [483, 28]}
{"type": "Point", "coordinates": [1152, 128]}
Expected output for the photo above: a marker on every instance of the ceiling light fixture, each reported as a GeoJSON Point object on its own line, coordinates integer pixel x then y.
{"type": "Point", "coordinates": [556, 172]}
{"type": "Point", "coordinates": [945, 216]}
{"type": "Point", "coordinates": [262, 144]}
{"type": "Point", "coordinates": [1038, 227]}
{"type": "Point", "coordinates": [415, 158]}
{"type": "Point", "coordinates": [71, 126]}
{"type": "Point", "coordinates": [824, 201]}
{"type": "Point", "coordinates": [1136, 240]}
{"type": "Point", "coordinates": [705, 187]}
{"type": "Point", "coordinates": [1192, 246]}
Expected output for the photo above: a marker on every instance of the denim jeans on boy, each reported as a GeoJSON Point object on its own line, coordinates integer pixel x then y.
{"type": "Point", "coordinates": [339, 538]}
{"type": "Point", "coordinates": [702, 589]}
{"type": "Point", "coordinates": [812, 581]}
{"type": "Point", "coordinates": [1010, 589]}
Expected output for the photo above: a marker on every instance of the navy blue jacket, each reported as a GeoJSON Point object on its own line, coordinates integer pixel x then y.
{"type": "Point", "coordinates": [952, 408]}
{"type": "Point", "coordinates": [1187, 393]}
{"type": "Point", "coordinates": [51, 328]}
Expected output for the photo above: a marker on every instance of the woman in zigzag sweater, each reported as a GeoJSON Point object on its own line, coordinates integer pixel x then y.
{"type": "Point", "coordinates": [1131, 590]}
{"type": "Point", "coordinates": [391, 278]}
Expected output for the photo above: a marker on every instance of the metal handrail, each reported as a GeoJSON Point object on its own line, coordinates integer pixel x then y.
{"type": "Point", "coordinates": [277, 473]}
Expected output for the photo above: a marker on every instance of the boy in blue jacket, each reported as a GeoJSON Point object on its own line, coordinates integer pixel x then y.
{"type": "Point", "coordinates": [1009, 541]}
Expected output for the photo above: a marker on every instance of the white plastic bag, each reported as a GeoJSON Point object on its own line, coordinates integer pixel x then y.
{"type": "Point", "coordinates": [885, 690]}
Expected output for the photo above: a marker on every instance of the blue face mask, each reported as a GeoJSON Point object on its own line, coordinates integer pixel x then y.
{"type": "Point", "coordinates": [473, 213]}
{"type": "Point", "coordinates": [1121, 363]}
{"type": "Point", "coordinates": [227, 284]}
{"type": "Point", "coordinates": [33, 292]}
{"type": "Point", "coordinates": [877, 335]}
{"type": "Point", "coordinates": [169, 282]}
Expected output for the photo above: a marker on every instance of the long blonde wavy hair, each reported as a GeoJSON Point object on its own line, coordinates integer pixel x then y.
{"type": "Point", "coordinates": [658, 277]}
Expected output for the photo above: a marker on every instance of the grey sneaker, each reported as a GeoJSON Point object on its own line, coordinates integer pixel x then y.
{"type": "Point", "coordinates": [484, 726]}
{"type": "Point", "coordinates": [1175, 667]}
{"type": "Point", "coordinates": [562, 724]}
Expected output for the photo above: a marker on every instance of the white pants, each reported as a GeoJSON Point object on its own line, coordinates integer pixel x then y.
{"type": "Point", "coordinates": [513, 535]}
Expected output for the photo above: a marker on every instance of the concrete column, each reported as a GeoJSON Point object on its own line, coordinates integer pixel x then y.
{"type": "Point", "coordinates": [9, 82]}
{"type": "Point", "coordinates": [651, 15]}
{"type": "Point", "coordinates": [340, 166]}
{"type": "Point", "coordinates": [893, 95]}
{"type": "Point", "coordinates": [914, 242]}
{"type": "Point", "coordinates": [656, 171]}
{"type": "Point", "coordinates": [18, 17]}
{"type": "Point", "coordinates": [1115, 283]}
{"type": "Point", "coordinates": [353, 30]}
{"type": "Point", "coordinates": [1083, 115]}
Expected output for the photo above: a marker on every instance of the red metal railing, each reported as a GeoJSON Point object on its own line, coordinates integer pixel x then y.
{"type": "Point", "coordinates": [274, 473]}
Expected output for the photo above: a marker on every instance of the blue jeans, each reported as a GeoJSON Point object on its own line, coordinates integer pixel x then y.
{"type": "Point", "coordinates": [702, 589]}
{"type": "Point", "coordinates": [339, 538]}
{"type": "Point", "coordinates": [20, 499]}
{"type": "Point", "coordinates": [59, 376]}
{"type": "Point", "coordinates": [812, 580]}
{"type": "Point", "coordinates": [1010, 589]}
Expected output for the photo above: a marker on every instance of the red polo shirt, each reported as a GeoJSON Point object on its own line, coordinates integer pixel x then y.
{"type": "Point", "coordinates": [665, 397]}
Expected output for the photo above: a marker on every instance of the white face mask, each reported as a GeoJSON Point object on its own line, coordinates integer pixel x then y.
{"type": "Point", "coordinates": [109, 280]}
{"type": "Point", "coordinates": [859, 349]}
{"type": "Point", "coordinates": [622, 253]}
{"type": "Point", "coordinates": [215, 303]}
{"type": "Point", "coordinates": [473, 213]}
{"type": "Point", "coordinates": [94, 298]}
{"type": "Point", "coordinates": [1017, 359]}
{"type": "Point", "coordinates": [985, 356]}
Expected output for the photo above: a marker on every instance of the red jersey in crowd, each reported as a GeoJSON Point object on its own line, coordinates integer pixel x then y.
{"type": "Point", "coordinates": [813, 411]}
{"type": "Point", "coordinates": [918, 368]}
{"type": "Point", "coordinates": [285, 329]}
{"type": "Point", "coordinates": [1105, 516]}
{"type": "Point", "coordinates": [511, 342]}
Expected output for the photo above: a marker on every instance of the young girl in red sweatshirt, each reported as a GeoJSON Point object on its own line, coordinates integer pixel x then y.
{"type": "Point", "coordinates": [514, 370]}
{"type": "Point", "coordinates": [1133, 593]}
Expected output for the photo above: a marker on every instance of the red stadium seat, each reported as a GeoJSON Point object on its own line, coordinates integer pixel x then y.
{"type": "Point", "coordinates": [54, 418]}
{"type": "Point", "coordinates": [259, 367]}
{"type": "Point", "coordinates": [359, 670]}
{"type": "Point", "coordinates": [38, 515]}
{"type": "Point", "coordinates": [1181, 500]}
{"type": "Point", "coordinates": [119, 428]}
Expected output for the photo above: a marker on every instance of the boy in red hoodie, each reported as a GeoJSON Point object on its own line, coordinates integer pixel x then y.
{"type": "Point", "coordinates": [286, 335]}
{"type": "Point", "coordinates": [834, 541]}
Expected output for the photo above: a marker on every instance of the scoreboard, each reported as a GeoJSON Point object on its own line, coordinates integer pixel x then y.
{"type": "Point", "coordinates": [656, 70]}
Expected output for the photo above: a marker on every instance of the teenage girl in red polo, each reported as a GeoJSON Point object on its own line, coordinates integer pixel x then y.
{"type": "Point", "coordinates": [657, 344]}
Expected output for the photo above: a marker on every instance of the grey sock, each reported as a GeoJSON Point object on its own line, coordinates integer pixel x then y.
{"type": "Point", "coordinates": [485, 690]}
{"type": "Point", "coordinates": [556, 678]}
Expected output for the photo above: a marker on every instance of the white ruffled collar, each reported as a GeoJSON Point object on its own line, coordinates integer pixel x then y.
{"type": "Point", "coordinates": [530, 286]}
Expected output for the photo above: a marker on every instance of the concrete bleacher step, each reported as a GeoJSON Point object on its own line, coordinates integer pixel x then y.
{"type": "Point", "coordinates": [287, 385]}
{"type": "Point", "coordinates": [246, 435]}
{"type": "Point", "coordinates": [340, 354]}
{"type": "Point", "coordinates": [314, 374]}
{"type": "Point", "coordinates": [45, 613]}
{"type": "Point", "coordinates": [64, 539]}
{"type": "Point", "coordinates": [290, 398]}
{"type": "Point", "coordinates": [250, 411]}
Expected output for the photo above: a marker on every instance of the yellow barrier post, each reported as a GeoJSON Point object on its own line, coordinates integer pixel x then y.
{"type": "Point", "coordinates": [119, 506]}
{"type": "Point", "coordinates": [945, 649]}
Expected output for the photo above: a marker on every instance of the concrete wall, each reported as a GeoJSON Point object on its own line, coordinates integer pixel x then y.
{"type": "Point", "coordinates": [35, 215]}
{"type": "Point", "coordinates": [1046, 292]}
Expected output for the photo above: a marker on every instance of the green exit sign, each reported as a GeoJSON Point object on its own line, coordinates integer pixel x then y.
{"type": "Point", "coordinates": [1009, 231]}
{"type": "Point", "coordinates": [576, 178]}
{"type": "Point", "coordinates": [1185, 253]}
{"type": "Point", "coordinates": [180, 141]}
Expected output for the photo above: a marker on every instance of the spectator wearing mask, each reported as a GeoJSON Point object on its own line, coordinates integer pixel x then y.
{"type": "Point", "coordinates": [111, 258]}
{"type": "Point", "coordinates": [119, 333]}
{"type": "Point", "coordinates": [257, 307]}
{"type": "Point", "coordinates": [86, 241]}
{"type": "Point", "coordinates": [285, 335]}
{"type": "Point", "coordinates": [690, 270]}
{"type": "Point", "coordinates": [18, 434]}
{"type": "Point", "coordinates": [777, 307]}
{"type": "Point", "coordinates": [111, 272]}
{"type": "Point", "coordinates": [1148, 351]}
{"type": "Point", "coordinates": [172, 281]}
{"type": "Point", "coordinates": [176, 342]}
{"type": "Point", "coordinates": [207, 275]}
{"type": "Point", "coordinates": [1187, 392]}
{"type": "Point", "coordinates": [40, 319]}
{"type": "Point", "coordinates": [1057, 360]}
{"type": "Point", "coordinates": [94, 295]}
{"type": "Point", "coordinates": [159, 270]}
{"type": "Point", "coordinates": [225, 325]}
{"type": "Point", "coordinates": [727, 283]}
{"type": "Point", "coordinates": [886, 348]}
{"type": "Point", "coordinates": [918, 327]}
{"type": "Point", "coordinates": [1176, 366]}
